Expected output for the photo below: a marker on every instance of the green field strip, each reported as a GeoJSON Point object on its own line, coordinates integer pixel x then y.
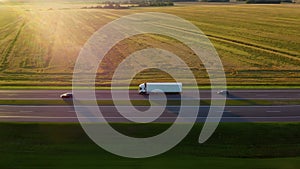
{"type": "Point", "coordinates": [233, 145]}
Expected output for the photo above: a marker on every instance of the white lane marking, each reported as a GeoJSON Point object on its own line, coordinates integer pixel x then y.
{"type": "Point", "coordinates": [25, 111]}
{"type": "Point", "coordinates": [273, 117]}
{"type": "Point", "coordinates": [25, 98]}
{"type": "Point", "coordinates": [35, 106]}
{"type": "Point", "coordinates": [204, 98]}
{"type": "Point", "coordinates": [37, 117]}
{"type": "Point", "coordinates": [48, 117]}
{"type": "Point", "coordinates": [264, 95]}
{"type": "Point", "coordinates": [273, 111]}
{"type": "Point", "coordinates": [42, 106]}
{"type": "Point", "coordinates": [225, 111]}
{"type": "Point", "coordinates": [266, 91]}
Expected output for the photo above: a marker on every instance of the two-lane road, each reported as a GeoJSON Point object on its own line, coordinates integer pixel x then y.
{"type": "Point", "coordinates": [231, 113]}
{"type": "Point", "coordinates": [105, 94]}
{"type": "Point", "coordinates": [66, 113]}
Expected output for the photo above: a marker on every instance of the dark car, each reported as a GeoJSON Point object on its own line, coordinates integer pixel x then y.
{"type": "Point", "coordinates": [66, 95]}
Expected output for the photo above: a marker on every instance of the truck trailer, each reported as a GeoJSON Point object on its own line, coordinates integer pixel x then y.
{"type": "Point", "coordinates": [147, 88]}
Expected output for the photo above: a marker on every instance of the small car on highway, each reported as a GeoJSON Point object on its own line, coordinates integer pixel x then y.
{"type": "Point", "coordinates": [223, 92]}
{"type": "Point", "coordinates": [66, 95]}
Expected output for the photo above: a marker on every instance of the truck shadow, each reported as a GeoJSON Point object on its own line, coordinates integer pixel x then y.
{"type": "Point", "coordinates": [242, 100]}
{"type": "Point", "coordinates": [174, 102]}
{"type": "Point", "coordinates": [68, 101]}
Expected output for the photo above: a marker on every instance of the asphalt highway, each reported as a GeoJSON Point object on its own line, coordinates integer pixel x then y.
{"type": "Point", "coordinates": [66, 113]}
{"type": "Point", "coordinates": [105, 94]}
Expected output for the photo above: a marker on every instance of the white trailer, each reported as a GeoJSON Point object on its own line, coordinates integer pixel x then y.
{"type": "Point", "coordinates": [147, 88]}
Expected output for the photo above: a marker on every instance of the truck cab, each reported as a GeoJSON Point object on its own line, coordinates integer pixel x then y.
{"type": "Point", "coordinates": [142, 88]}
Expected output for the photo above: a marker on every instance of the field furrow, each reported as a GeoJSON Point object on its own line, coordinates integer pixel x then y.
{"type": "Point", "coordinates": [7, 52]}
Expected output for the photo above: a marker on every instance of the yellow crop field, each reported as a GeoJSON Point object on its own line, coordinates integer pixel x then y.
{"type": "Point", "coordinates": [258, 44]}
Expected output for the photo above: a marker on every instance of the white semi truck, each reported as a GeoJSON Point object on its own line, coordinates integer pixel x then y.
{"type": "Point", "coordinates": [147, 88]}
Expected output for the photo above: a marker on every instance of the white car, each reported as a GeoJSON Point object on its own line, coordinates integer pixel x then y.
{"type": "Point", "coordinates": [66, 95]}
{"type": "Point", "coordinates": [223, 92]}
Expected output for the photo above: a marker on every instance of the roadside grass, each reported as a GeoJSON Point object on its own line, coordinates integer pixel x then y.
{"type": "Point", "coordinates": [258, 45]}
{"type": "Point", "coordinates": [233, 145]}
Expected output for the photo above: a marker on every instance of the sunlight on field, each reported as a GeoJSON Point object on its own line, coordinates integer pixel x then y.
{"type": "Point", "coordinates": [258, 44]}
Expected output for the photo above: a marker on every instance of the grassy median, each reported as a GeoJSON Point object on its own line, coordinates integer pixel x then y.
{"type": "Point", "coordinates": [233, 145]}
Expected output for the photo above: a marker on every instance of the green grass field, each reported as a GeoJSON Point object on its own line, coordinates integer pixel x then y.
{"type": "Point", "coordinates": [233, 145]}
{"type": "Point", "coordinates": [258, 44]}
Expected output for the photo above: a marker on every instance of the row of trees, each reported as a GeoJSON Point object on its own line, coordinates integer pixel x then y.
{"type": "Point", "coordinates": [254, 1]}
{"type": "Point", "coordinates": [128, 3]}
{"type": "Point", "coordinates": [267, 1]}
{"type": "Point", "coordinates": [152, 2]}
{"type": "Point", "coordinates": [170, 2]}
